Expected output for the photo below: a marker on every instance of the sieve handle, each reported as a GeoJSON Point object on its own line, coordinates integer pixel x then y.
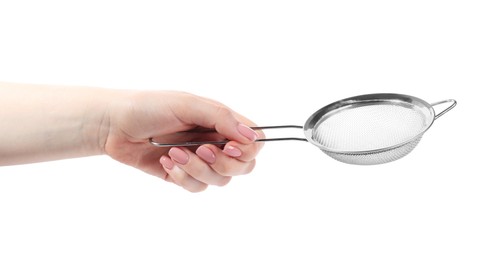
{"type": "Point", "coordinates": [151, 141]}
{"type": "Point", "coordinates": [453, 104]}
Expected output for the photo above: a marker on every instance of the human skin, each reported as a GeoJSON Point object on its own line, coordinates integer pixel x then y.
{"type": "Point", "coordinates": [42, 123]}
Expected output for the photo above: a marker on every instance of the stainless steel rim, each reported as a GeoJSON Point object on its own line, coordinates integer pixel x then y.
{"type": "Point", "coordinates": [371, 99]}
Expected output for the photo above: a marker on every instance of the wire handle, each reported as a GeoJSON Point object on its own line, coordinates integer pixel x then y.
{"type": "Point", "coordinates": [151, 141]}
{"type": "Point", "coordinates": [445, 110]}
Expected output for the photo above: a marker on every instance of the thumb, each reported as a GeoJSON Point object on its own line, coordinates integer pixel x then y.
{"type": "Point", "coordinates": [195, 110]}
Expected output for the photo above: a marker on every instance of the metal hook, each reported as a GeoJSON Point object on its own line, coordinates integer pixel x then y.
{"type": "Point", "coordinates": [445, 110]}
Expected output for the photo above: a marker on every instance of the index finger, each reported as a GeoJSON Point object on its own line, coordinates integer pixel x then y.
{"type": "Point", "coordinates": [194, 110]}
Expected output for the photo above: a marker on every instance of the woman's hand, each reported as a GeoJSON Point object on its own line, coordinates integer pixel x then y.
{"type": "Point", "coordinates": [136, 116]}
{"type": "Point", "coordinates": [42, 123]}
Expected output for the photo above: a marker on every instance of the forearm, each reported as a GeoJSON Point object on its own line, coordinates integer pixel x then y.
{"type": "Point", "coordinates": [40, 123]}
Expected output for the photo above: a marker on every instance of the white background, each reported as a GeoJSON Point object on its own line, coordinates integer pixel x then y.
{"type": "Point", "coordinates": [275, 62]}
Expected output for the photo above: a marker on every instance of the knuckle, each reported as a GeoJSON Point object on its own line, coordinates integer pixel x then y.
{"type": "Point", "coordinates": [196, 173]}
{"type": "Point", "coordinates": [224, 181]}
{"type": "Point", "coordinates": [251, 150]}
{"type": "Point", "coordinates": [223, 112]}
{"type": "Point", "coordinates": [195, 188]}
{"type": "Point", "coordinates": [223, 169]}
{"type": "Point", "coordinates": [202, 174]}
{"type": "Point", "coordinates": [261, 134]}
{"type": "Point", "coordinates": [260, 145]}
{"type": "Point", "coordinates": [228, 170]}
{"type": "Point", "coordinates": [180, 179]}
{"type": "Point", "coordinates": [250, 167]}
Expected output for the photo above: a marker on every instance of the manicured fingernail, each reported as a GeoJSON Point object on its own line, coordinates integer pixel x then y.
{"type": "Point", "coordinates": [167, 162]}
{"type": "Point", "coordinates": [179, 155]}
{"type": "Point", "coordinates": [206, 154]}
{"type": "Point", "coordinates": [247, 132]}
{"type": "Point", "coordinates": [232, 151]}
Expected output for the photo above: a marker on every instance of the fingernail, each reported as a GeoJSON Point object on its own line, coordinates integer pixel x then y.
{"type": "Point", "coordinates": [206, 154]}
{"type": "Point", "coordinates": [167, 162]}
{"type": "Point", "coordinates": [247, 132]}
{"type": "Point", "coordinates": [232, 151]}
{"type": "Point", "coordinates": [179, 155]}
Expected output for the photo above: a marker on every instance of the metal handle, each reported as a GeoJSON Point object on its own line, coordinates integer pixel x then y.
{"type": "Point", "coordinates": [225, 141]}
{"type": "Point", "coordinates": [445, 110]}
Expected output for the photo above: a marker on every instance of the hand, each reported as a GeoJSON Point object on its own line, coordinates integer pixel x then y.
{"type": "Point", "coordinates": [134, 117]}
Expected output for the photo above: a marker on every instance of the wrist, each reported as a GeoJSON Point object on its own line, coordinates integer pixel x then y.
{"type": "Point", "coordinates": [96, 120]}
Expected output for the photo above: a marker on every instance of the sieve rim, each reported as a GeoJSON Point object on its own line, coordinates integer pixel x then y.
{"type": "Point", "coordinates": [367, 100]}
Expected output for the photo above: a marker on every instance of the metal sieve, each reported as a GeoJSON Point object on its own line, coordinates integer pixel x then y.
{"type": "Point", "coordinates": [365, 130]}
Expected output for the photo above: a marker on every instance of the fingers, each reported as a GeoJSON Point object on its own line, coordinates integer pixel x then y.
{"type": "Point", "coordinates": [186, 169]}
{"type": "Point", "coordinates": [209, 165]}
{"type": "Point", "coordinates": [224, 164]}
{"type": "Point", "coordinates": [194, 110]}
{"type": "Point", "coordinates": [178, 176]}
{"type": "Point", "coordinates": [242, 152]}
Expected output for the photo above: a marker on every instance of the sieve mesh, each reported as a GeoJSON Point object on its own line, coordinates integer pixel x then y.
{"type": "Point", "coordinates": [362, 128]}
{"type": "Point", "coordinates": [378, 157]}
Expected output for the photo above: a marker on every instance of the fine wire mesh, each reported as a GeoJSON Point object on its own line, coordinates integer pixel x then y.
{"type": "Point", "coordinates": [371, 133]}
{"type": "Point", "coordinates": [384, 156]}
